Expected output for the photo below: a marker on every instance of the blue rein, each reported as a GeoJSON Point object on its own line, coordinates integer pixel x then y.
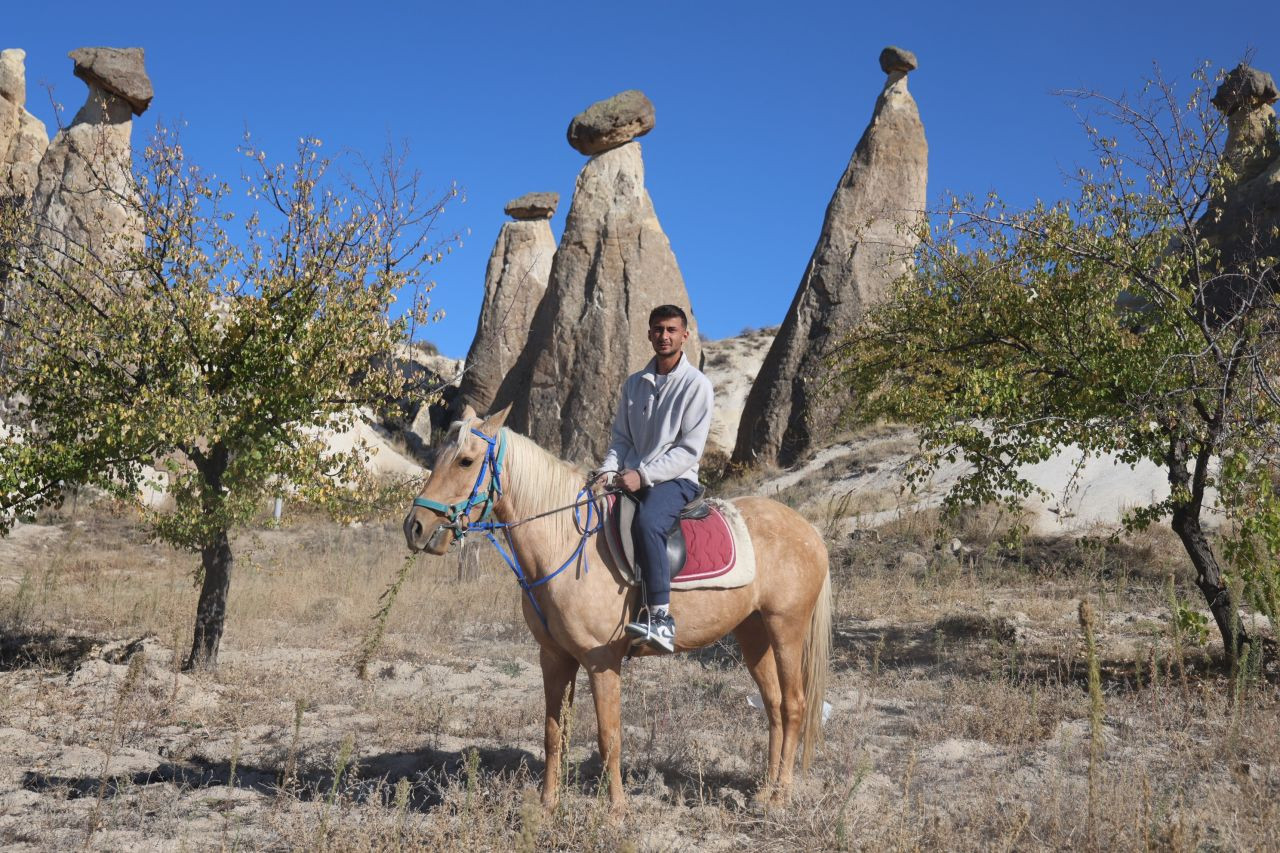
{"type": "Point", "coordinates": [458, 515]}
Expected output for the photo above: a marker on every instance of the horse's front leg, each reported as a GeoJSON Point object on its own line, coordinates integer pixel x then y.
{"type": "Point", "coordinates": [605, 671]}
{"type": "Point", "coordinates": [558, 673]}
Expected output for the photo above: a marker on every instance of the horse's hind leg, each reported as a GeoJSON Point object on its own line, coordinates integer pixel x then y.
{"type": "Point", "coordinates": [758, 656]}
{"type": "Point", "coordinates": [558, 673]}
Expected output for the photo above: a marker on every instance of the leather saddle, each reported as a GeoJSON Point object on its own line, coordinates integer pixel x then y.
{"type": "Point", "coordinates": [694, 510]}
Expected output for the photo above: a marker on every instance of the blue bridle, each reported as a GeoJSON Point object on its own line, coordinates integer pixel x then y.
{"type": "Point", "coordinates": [459, 511]}
{"type": "Point", "coordinates": [495, 454]}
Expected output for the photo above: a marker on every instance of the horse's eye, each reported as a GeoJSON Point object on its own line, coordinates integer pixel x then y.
{"type": "Point", "coordinates": [466, 463]}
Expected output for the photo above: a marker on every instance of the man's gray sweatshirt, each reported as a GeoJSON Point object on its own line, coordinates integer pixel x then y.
{"type": "Point", "coordinates": [661, 427]}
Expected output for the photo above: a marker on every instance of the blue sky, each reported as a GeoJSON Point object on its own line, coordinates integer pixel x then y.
{"type": "Point", "coordinates": [759, 105]}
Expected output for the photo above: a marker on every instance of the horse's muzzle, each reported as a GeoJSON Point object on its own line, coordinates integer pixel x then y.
{"type": "Point", "coordinates": [431, 535]}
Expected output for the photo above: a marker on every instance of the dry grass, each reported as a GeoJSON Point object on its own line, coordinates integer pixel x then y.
{"type": "Point", "coordinates": [961, 711]}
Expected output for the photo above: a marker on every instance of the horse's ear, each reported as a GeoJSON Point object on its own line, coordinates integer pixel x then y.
{"type": "Point", "coordinates": [467, 413]}
{"type": "Point", "coordinates": [495, 421]}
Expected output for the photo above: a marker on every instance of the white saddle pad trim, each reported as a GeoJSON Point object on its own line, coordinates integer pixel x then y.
{"type": "Point", "coordinates": [744, 567]}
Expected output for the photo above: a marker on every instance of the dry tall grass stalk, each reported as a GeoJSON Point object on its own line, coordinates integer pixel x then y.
{"type": "Point", "coordinates": [1095, 716]}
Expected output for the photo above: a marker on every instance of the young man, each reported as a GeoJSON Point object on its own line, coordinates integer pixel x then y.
{"type": "Point", "coordinates": [659, 434]}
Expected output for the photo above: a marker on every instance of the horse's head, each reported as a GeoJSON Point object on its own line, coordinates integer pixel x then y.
{"type": "Point", "coordinates": [463, 487]}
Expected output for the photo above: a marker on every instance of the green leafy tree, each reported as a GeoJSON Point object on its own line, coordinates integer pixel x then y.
{"type": "Point", "coordinates": [212, 342]}
{"type": "Point", "coordinates": [1129, 320]}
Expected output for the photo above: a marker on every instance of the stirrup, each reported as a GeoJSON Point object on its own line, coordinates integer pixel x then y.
{"type": "Point", "coordinates": [638, 629]}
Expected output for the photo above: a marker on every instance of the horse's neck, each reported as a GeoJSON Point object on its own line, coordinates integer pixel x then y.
{"type": "Point", "coordinates": [538, 482]}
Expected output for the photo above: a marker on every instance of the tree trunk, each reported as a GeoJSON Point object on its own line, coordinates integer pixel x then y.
{"type": "Point", "coordinates": [1209, 578]}
{"type": "Point", "coordinates": [215, 559]}
{"type": "Point", "coordinates": [211, 609]}
{"type": "Point", "coordinates": [1186, 523]}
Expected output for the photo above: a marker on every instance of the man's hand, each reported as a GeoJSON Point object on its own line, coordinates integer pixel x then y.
{"type": "Point", "coordinates": [630, 480]}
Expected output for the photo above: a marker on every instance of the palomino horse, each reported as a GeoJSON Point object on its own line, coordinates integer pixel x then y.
{"type": "Point", "coordinates": [781, 620]}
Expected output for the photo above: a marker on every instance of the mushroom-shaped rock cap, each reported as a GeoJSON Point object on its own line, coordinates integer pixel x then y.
{"type": "Point", "coordinates": [609, 123]}
{"type": "Point", "coordinates": [119, 70]}
{"type": "Point", "coordinates": [897, 59]}
{"type": "Point", "coordinates": [533, 206]}
{"type": "Point", "coordinates": [1245, 88]}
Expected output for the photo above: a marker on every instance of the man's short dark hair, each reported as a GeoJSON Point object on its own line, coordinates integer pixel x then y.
{"type": "Point", "coordinates": [667, 312]}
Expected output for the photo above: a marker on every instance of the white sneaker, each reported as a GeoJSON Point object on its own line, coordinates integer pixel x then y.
{"type": "Point", "coordinates": [658, 631]}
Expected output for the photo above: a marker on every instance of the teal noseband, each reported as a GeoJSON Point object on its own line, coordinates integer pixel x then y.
{"type": "Point", "coordinates": [494, 456]}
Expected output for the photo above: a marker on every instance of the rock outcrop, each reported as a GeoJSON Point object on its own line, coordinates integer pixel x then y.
{"type": "Point", "coordinates": [85, 185]}
{"type": "Point", "coordinates": [865, 243]}
{"type": "Point", "coordinates": [514, 284]}
{"type": "Point", "coordinates": [23, 139]}
{"type": "Point", "coordinates": [612, 267]}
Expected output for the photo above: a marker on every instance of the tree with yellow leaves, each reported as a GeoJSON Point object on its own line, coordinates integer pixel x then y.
{"type": "Point", "coordinates": [1138, 318]}
{"type": "Point", "coordinates": [213, 343]}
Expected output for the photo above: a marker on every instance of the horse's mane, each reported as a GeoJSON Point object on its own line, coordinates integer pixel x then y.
{"type": "Point", "coordinates": [538, 481]}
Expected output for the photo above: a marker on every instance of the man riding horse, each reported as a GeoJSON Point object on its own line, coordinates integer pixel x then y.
{"type": "Point", "coordinates": [659, 434]}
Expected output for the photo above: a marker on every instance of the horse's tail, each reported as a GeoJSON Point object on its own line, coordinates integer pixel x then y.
{"type": "Point", "coordinates": [817, 654]}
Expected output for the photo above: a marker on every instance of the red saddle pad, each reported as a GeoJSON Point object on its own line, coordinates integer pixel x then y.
{"type": "Point", "coordinates": [709, 547]}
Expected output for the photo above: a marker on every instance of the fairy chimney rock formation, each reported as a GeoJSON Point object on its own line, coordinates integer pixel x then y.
{"type": "Point", "coordinates": [23, 139]}
{"type": "Point", "coordinates": [612, 122]}
{"type": "Point", "coordinates": [613, 266]}
{"type": "Point", "coordinates": [865, 244]}
{"type": "Point", "coordinates": [1245, 98]}
{"type": "Point", "coordinates": [514, 284]}
{"type": "Point", "coordinates": [86, 171]}
{"type": "Point", "coordinates": [1246, 224]}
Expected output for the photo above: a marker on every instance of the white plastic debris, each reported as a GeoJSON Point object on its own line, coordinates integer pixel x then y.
{"type": "Point", "coordinates": [756, 702]}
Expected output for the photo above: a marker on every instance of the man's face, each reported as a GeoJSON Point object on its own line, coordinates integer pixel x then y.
{"type": "Point", "coordinates": [667, 335]}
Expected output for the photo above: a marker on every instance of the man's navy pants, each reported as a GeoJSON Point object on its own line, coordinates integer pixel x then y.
{"type": "Point", "coordinates": [660, 506]}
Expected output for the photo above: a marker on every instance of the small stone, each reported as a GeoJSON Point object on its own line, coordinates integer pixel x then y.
{"type": "Point", "coordinates": [1246, 88]}
{"type": "Point", "coordinates": [654, 785]}
{"type": "Point", "coordinates": [1252, 771]}
{"type": "Point", "coordinates": [733, 798]}
{"type": "Point", "coordinates": [533, 206]}
{"type": "Point", "coordinates": [119, 70]}
{"type": "Point", "coordinates": [911, 562]}
{"type": "Point", "coordinates": [896, 59]}
{"type": "Point", "coordinates": [612, 122]}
